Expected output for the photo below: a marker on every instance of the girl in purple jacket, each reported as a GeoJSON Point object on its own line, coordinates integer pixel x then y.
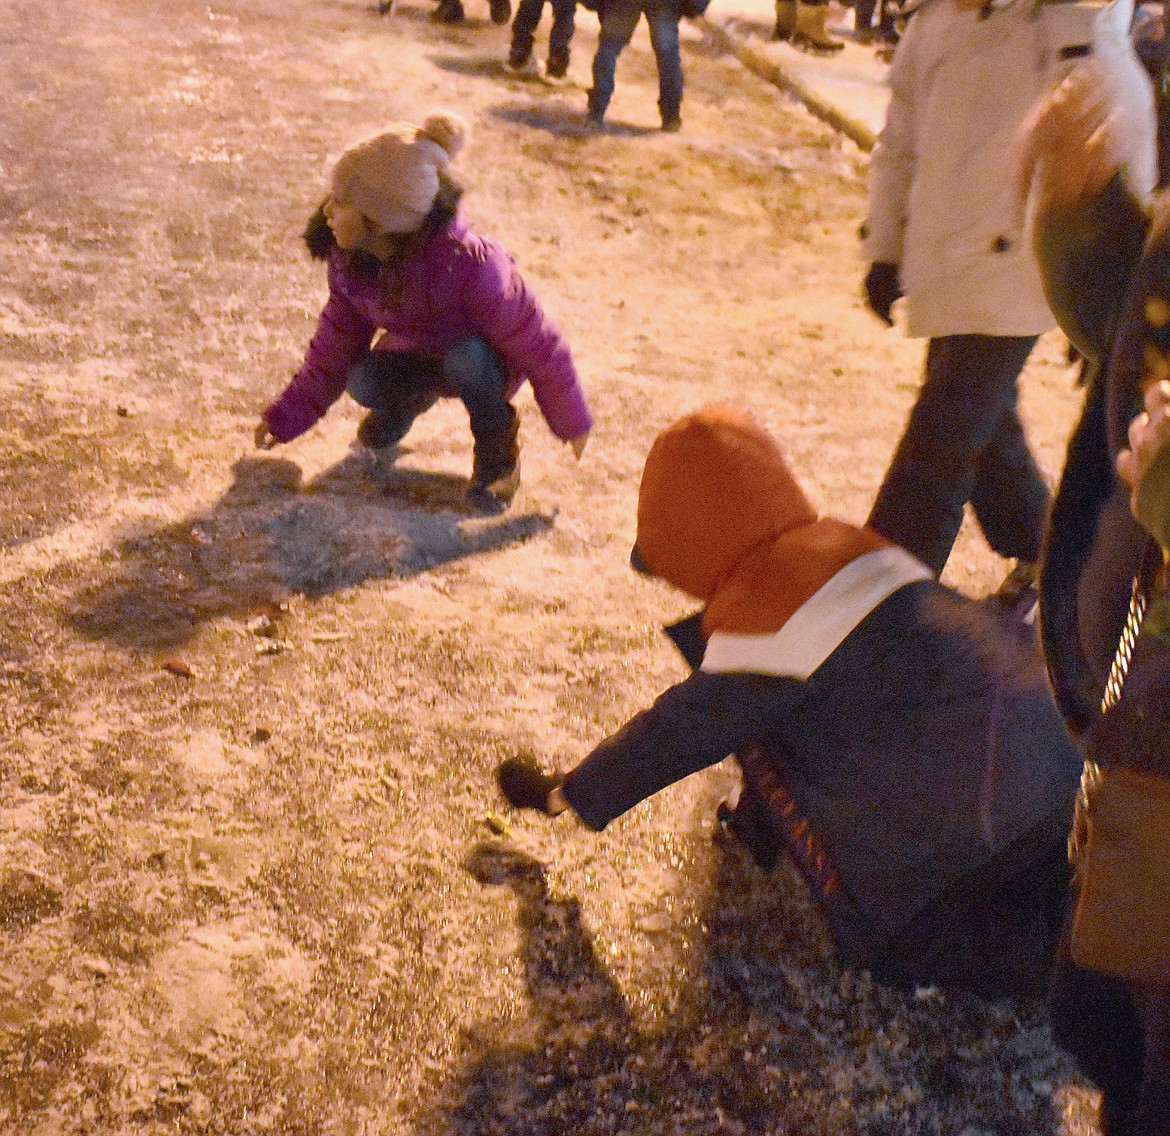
{"type": "Point", "coordinates": [422, 307]}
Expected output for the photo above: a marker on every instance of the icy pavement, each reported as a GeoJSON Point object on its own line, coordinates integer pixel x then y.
{"type": "Point", "coordinates": [846, 89]}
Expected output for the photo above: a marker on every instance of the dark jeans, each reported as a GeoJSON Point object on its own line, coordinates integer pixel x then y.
{"type": "Point", "coordinates": [996, 936]}
{"type": "Point", "coordinates": [964, 442]}
{"type": "Point", "coordinates": [1120, 1037]}
{"type": "Point", "coordinates": [524, 25]}
{"type": "Point", "coordinates": [619, 18]}
{"type": "Point", "coordinates": [402, 386]}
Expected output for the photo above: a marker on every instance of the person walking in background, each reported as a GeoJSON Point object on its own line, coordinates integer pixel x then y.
{"type": "Point", "coordinates": [422, 307]}
{"type": "Point", "coordinates": [451, 11]}
{"type": "Point", "coordinates": [943, 228]}
{"type": "Point", "coordinates": [802, 22]}
{"type": "Point", "coordinates": [885, 31]}
{"type": "Point", "coordinates": [618, 19]}
{"type": "Point", "coordinates": [528, 14]}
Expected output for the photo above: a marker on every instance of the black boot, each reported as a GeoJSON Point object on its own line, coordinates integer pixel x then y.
{"type": "Point", "coordinates": [448, 12]}
{"type": "Point", "coordinates": [395, 389]}
{"type": "Point", "coordinates": [519, 57]}
{"type": "Point", "coordinates": [381, 429]}
{"type": "Point", "coordinates": [388, 425]}
{"type": "Point", "coordinates": [751, 823]}
{"type": "Point", "coordinates": [495, 474]}
{"type": "Point", "coordinates": [557, 66]}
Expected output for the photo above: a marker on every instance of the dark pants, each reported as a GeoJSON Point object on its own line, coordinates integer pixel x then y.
{"type": "Point", "coordinates": [964, 442]}
{"type": "Point", "coordinates": [996, 937]}
{"type": "Point", "coordinates": [524, 25]}
{"type": "Point", "coordinates": [619, 18]}
{"type": "Point", "coordinates": [401, 386]}
{"type": "Point", "coordinates": [1118, 1029]}
{"type": "Point", "coordinates": [886, 11]}
{"type": "Point", "coordinates": [1119, 1034]}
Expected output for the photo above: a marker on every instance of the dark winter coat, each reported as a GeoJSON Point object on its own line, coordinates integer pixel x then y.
{"type": "Point", "coordinates": [458, 284]}
{"type": "Point", "coordinates": [1094, 545]}
{"type": "Point", "coordinates": [924, 753]}
{"type": "Point", "coordinates": [922, 760]}
{"type": "Point", "coordinates": [1103, 265]}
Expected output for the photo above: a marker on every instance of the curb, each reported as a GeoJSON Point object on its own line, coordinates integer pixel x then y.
{"type": "Point", "coordinates": [755, 61]}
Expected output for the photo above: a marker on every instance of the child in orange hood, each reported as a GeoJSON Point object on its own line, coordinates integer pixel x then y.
{"type": "Point", "coordinates": [897, 739]}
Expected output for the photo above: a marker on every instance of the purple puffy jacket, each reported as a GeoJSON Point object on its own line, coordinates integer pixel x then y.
{"type": "Point", "coordinates": [460, 284]}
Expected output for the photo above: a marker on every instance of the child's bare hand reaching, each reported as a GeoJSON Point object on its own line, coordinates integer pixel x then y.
{"type": "Point", "coordinates": [263, 437]}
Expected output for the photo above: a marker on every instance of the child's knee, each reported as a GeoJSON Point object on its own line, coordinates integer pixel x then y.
{"type": "Point", "coordinates": [472, 367]}
{"type": "Point", "coordinates": [365, 382]}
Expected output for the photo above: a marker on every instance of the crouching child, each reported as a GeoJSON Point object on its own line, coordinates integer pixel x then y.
{"type": "Point", "coordinates": [423, 307]}
{"type": "Point", "coordinates": [897, 739]}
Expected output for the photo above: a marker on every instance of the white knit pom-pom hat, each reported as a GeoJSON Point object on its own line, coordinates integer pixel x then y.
{"type": "Point", "coordinates": [393, 177]}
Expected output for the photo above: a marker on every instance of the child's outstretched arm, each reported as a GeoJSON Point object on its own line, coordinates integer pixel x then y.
{"type": "Point", "coordinates": [342, 337]}
{"type": "Point", "coordinates": [693, 725]}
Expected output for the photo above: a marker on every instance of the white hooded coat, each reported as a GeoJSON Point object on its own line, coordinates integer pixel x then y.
{"type": "Point", "coordinates": [941, 202]}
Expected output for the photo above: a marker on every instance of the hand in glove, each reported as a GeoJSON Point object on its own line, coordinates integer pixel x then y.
{"type": "Point", "coordinates": [527, 788]}
{"type": "Point", "coordinates": [882, 288]}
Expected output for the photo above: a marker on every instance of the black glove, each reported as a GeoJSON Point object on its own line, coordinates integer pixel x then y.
{"type": "Point", "coordinates": [525, 786]}
{"type": "Point", "coordinates": [882, 288]}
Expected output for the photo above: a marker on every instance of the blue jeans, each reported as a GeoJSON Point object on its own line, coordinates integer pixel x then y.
{"type": "Point", "coordinates": [524, 25]}
{"type": "Point", "coordinates": [619, 18]}
{"type": "Point", "coordinates": [402, 386]}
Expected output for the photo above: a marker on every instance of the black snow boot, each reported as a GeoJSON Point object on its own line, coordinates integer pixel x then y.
{"type": "Point", "coordinates": [753, 826]}
{"type": "Point", "coordinates": [495, 474]}
{"type": "Point", "coordinates": [448, 12]}
{"type": "Point", "coordinates": [557, 66]}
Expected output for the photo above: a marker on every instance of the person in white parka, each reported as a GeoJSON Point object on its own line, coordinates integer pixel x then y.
{"type": "Point", "coordinates": [944, 229]}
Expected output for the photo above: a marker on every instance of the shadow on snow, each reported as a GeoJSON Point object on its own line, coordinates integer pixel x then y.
{"type": "Point", "coordinates": [270, 536]}
{"type": "Point", "coordinates": [768, 1035]}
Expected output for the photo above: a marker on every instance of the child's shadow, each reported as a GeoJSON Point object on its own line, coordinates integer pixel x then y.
{"type": "Point", "coordinates": [767, 1034]}
{"type": "Point", "coordinates": [582, 1063]}
{"type": "Point", "coordinates": [269, 537]}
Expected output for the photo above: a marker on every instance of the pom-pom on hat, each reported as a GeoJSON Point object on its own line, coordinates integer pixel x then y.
{"type": "Point", "coordinates": [393, 177]}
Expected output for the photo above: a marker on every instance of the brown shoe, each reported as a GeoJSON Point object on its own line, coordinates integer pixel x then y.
{"type": "Point", "coordinates": [785, 19]}
{"type": "Point", "coordinates": [810, 31]}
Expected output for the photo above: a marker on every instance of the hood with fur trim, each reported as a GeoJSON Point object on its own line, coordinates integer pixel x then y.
{"type": "Point", "coordinates": [721, 517]}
